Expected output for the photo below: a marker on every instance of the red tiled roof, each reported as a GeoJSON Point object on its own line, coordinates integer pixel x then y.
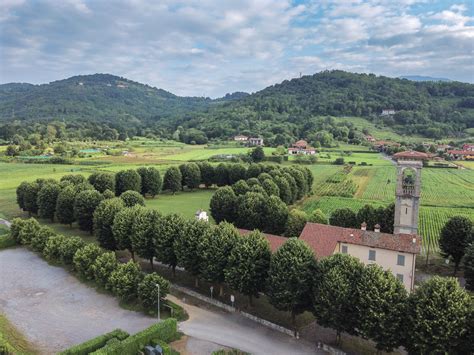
{"type": "Point", "coordinates": [460, 152]}
{"type": "Point", "coordinates": [411, 154]}
{"type": "Point", "coordinates": [275, 241]}
{"type": "Point", "coordinates": [323, 239]}
{"type": "Point", "coordinates": [387, 143]}
{"type": "Point", "coordinates": [301, 143]}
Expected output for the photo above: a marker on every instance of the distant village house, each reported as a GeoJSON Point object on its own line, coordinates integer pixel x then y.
{"type": "Point", "coordinates": [241, 138]}
{"type": "Point", "coordinates": [388, 112]}
{"type": "Point", "coordinates": [301, 148]}
{"type": "Point", "coordinates": [255, 142]}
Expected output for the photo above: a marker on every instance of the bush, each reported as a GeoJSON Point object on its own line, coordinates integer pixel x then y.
{"type": "Point", "coordinates": [7, 241]}
{"type": "Point", "coordinates": [131, 198]}
{"type": "Point", "coordinates": [95, 343]}
{"type": "Point", "coordinates": [15, 229]}
{"type": "Point", "coordinates": [164, 331]}
{"type": "Point", "coordinates": [38, 242]}
{"type": "Point", "coordinates": [339, 161]}
{"type": "Point", "coordinates": [28, 231]}
{"type": "Point", "coordinates": [85, 258]}
{"type": "Point", "coordinates": [52, 248]}
{"type": "Point", "coordinates": [69, 248]}
{"type": "Point", "coordinates": [125, 279]}
{"type": "Point", "coordinates": [148, 292]}
{"type": "Point", "coordinates": [103, 267]}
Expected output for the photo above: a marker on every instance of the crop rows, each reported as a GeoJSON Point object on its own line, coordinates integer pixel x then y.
{"type": "Point", "coordinates": [381, 185]}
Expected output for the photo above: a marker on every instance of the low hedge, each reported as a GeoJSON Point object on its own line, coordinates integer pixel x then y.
{"type": "Point", "coordinates": [6, 241]}
{"type": "Point", "coordinates": [95, 343]}
{"type": "Point", "coordinates": [164, 331]}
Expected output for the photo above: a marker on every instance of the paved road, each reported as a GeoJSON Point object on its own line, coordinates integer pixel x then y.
{"type": "Point", "coordinates": [52, 308]}
{"type": "Point", "coordinates": [234, 331]}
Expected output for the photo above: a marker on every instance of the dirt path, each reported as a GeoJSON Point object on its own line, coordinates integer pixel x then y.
{"type": "Point", "coordinates": [52, 308]}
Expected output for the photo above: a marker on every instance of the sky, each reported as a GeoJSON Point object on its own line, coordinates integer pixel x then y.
{"type": "Point", "coordinates": [212, 47]}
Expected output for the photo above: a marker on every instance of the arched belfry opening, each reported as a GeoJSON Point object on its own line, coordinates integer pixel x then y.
{"type": "Point", "coordinates": [407, 202]}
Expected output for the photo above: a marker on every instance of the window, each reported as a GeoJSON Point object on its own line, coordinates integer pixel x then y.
{"type": "Point", "coordinates": [406, 210]}
{"type": "Point", "coordinates": [372, 255]}
{"type": "Point", "coordinates": [344, 249]}
{"type": "Point", "coordinates": [400, 277]}
{"type": "Point", "coordinates": [401, 260]}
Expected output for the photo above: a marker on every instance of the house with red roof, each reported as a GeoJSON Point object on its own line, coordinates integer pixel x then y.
{"type": "Point", "coordinates": [301, 147]}
{"type": "Point", "coordinates": [457, 154]}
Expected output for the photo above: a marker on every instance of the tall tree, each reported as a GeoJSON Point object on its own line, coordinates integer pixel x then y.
{"type": "Point", "coordinates": [240, 187]}
{"type": "Point", "coordinates": [131, 198]}
{"type": "Point", "coordinates": [30, 196]}
{"type": "Point", "coordinates": [172, 180]}
{"type": "Point", "coordinates": [46, 200]}
{"type": "Point", "coordinates": [284, 189]}
{"type": "Point", "coordinates": [144, 231]}
{"type": "Point", "coordinates": [437, 317]}
{"type": "Point", "coordinates": [223, 204]}
{"type": "Point", "coordinates": [334, 287]}
{"type": "Point", "coordinates": [222, 175]}
{"type": "Point", "coordinates": [276, 215]}
{"type": "Point", "coordinates": [207, 174]}
{"type": "Point", "coordinates": [122, 228]}
{"type": "Point", "coordinates": [102, 181]}
{"type": "Point", "coordinates": [85, 204]}
{"type": "Point", "coordinates": [84, 258]}
{"type": "Point", "coordinates": [65, 205]}
{"type": "Point", "coordinates": [168, 230]}
{"type": "Point", "coordinates": [20, 194]}
{"type": "Point", "coordinates": [380, 300]}
{"type": "Point", "coordinates": [343, 217]}
{"type": "Point", "coordinates": [74, 179]}
{"type": "Point", "coordinates": [251, 211]}
{"type": "Point", "coordinates": [215, 247]}
{"type": "Point", "coordinates": [455, 237]}
{"type": "Point", "coordinates": [125, 279]}
{"type": "Point", "coordinates": [236, 172]}
{"type": "Point", "coordinates": [257, 155]}
{"type": "Point", "coordinates": [271, 188]}
{"type": "Point", "coordinates": [103, 267]}
{"type": "Point", "coordinates": [127, 180]}
{"type": "Point", "coordinates": [103, 220]}
{"type": "Point", "coordinates": [151, 181]}
{"type": "Point", "coordinates": [289, 277]}
{"type": "Point", "coordinates": [192, 179]}
{"type": "Point", "coordinates": [148, 292]}
{"type": "Point", "coordinates": [368, 214]}
{"type": "Point", "coordinates": [469, 267]}
{"type": "Point", "coordinates": [296, 221]}
{"type": "Point", "coordinates": [248, 265]}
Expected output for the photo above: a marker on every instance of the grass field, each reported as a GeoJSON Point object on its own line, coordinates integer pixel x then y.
{"type": "Point", "coordinates": [185, 203]}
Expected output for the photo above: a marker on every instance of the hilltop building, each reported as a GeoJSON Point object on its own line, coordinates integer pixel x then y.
{"type": "Point", "coordinates": [457, 154]}
{"type": "Point", "coordinates": [469, 147]}
{"type": "Point", "coordinates": [301, 147]}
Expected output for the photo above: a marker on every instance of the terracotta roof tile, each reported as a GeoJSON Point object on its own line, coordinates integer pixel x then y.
{"type": "Point", "coordinates": [275, 241]}
{"type": "Point", "coordinates": [323, 239]}
{"type": "Point", "coordinates": [411, 154]}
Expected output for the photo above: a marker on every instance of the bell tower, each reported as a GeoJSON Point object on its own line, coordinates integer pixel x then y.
{"type": "Point", "coordinates": [407, 203]}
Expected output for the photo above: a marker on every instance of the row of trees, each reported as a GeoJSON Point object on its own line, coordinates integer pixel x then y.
{"type": "Point", "coordinates": [261, 202]}
{"type": "Point", "coordinates": [91, 262]}
{"type": "Point", "coordinates": [348, 218]}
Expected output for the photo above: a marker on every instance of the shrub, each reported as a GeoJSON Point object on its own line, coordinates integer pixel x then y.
{"type": "Point", "coordinates": [6, 241]}
{"type": "Point", "coordinates": [84, 258]}
{"type": "Point", "coordinates": [52, 248]}
{"type": "Point", "coordinates": [148, 291]}
{"type": "Point", "coordinates": [85, 204]}
{"type": "Point", "coordinates": [28, 231]}
{"type": "Point", "coordinates": [131, 198]}
{"type": "Point", "coordinates": [38, 242]}
{"type": "Point", "coordinates": [127, 180]}
{"type": "Point", "coordinates": [69, 248]}
{"type": "Point", "coordinates": [125, 279]}
{"type": "Point", "coordinates": [103, 267]}
{"type": "Point", "coordinates": [95, 343]}
{"type": "Point", "coordinates": [15, 229]}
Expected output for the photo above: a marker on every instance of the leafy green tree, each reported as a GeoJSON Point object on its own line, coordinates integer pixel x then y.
{"type": "Point", "coordinates": [151, 181]}
{"type": "Point", "coordinates": [253, 182]}
{"type": "Point", "coordinates": [254, 170]}
{"type": "Point", "coordinates": [74, 179]}
{"type": "Point", "coordinates": [300, 179]}
{"type": "Point", "coordinates": [148, 290]}
{"type": "Point", "coordinates": [85, 204]}
{"type": "Point", "coordinates": [15, 229]}
{"type": "Point", "coordinates": [39, 240]}
{"type": "Point", "coordinates": [236, 172]}
{"type": "Point", "coordinates": [215, 247]}
{"type": "Point", "coordinates": [293, 186]}
{"type": "Point", "coordinates": [248, 264]}
{"type": "Point", "coordinates": [276, 215]}
{"type": "Point", "coordinates": [271, 188]}
{"type": "Point", "coordinates": [28, 231]}
{"type": "Point", "coordinates": [368, 214]}
{"type": "Point", "coordinates": [65, 205]}
{"type": "Point", "coordinates": [125, 279]}
{"type": "Point", "coordinates": [122, 228]}
{"type": "Point", "coordinates": [251, 211]}
{"type": "Point", "coordinates": [103, 267]}
{"type": "Point", "coordinates": [172, 180]}
{"type": "Point", "coordinates": [222, 175]}
{"type": "Point", "coordinates": [85, 258]}
{"type": "Point", "coordinates": [318, 216]}
{"type": "Point", "coordinates": [20, 194]}
{"type": "Point", "coordinates": [186, 246]}
{"type": "Point", "coordinates": [296, 221]}
{"type": "Point", "coordinates": [455, 237]}
{"type": "Point", "coordinates": [437, 317]}
{"type": "Point", "coordinates": [144, 233]}
{"type": "Point", "coordinates": [223, 204]}
{"type": "Point", "coordinates": [107, 194]}
{"type": "Point", "coordinates": [46, 200]}
{"type": "Point", "coordinates": [469, 267]}
{"type": "Point", "coordinates": [103, 219]}
{"type": "Point", "coordinates": [127, 180]}
{"type": "Point", "coordinates": [167, 231]}
{"type": "Point", "coordinates": [240, 187]}
{"type": "Point", "coordinates": [343, 217]}
{"type": "Point", "coordinates": [131, 198]}
{"type": "Point", "coordinates": [30, 197]}
{"type": "Point", "coordinates": [334, 287]}
{"type": "Point", "coordinates": [53, 246]}
{"type": "Point", "coordinates": [207, 174]}
{"type": "Point", "coordinates": [289, 277]}
{"type": "Point", "coordinates": [257, 155]}
{"type": "Point", "coordinates": [284, 189]}
{"type": "Point", "coordinates": [264, 176]}
{"type": "Point", "coordinates": [386, 218]}
{"type": "Point", "coordinates": [380, 300]}
{"type": "Point", "coordinates": [69, 247]}
{"type": "Point", "coordinates": [102, 181]}
{"type": "Point", "coordinates": [192, 179]}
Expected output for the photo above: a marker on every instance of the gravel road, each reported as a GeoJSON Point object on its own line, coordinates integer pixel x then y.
{"type": "Point", "coordinates": [52, 308]}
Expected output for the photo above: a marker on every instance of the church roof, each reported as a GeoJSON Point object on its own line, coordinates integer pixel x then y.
{"type": "Point", "coordinates": [410, 154]}
{"type": "Point", "coordinates": [323, 239]}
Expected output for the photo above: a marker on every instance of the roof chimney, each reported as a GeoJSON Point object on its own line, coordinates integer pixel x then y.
{"type": "Point", "coordinates": [363, 226]}
{"type": "Point", "coordinates": [377, 228]}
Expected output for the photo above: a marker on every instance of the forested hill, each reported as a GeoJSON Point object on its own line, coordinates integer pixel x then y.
{"type": "Point", "coordinates": [292, 109]}
{"type": "Point", "coordinates": [100, 97]}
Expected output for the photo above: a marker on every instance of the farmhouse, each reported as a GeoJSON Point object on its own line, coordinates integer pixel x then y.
{"type": "Point", "coordinates": [255, 141]}
{"type": "Point", "coordinates": [369, 138]}
{"type": "Point", "coordinates": [301, 147]}
{"type": "Point", "coordinates": [241, 138]}
{"type": "Point", "coordinates": [383, 145]}
{"type": "Point", "coordinates": [440, 148]}
{"type": "Point", "coordinates": [461, 154]}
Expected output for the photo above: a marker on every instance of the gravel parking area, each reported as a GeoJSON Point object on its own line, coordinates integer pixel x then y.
{"type": "Point", "coordinates": [52, 308]}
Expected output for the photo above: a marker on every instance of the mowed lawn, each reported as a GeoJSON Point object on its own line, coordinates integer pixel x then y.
{"type": "Point", "coordinates": [184, 203]}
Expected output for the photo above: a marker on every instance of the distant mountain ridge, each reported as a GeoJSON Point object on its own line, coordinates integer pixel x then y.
{"type": "Point", "coordinates": [423, 78]}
